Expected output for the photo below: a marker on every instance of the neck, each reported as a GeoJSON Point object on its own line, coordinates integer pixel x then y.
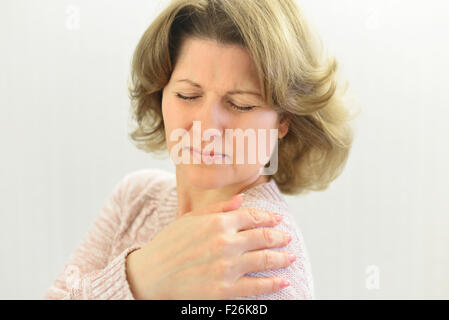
{"type": "Point", "coordinates": [192, 198]}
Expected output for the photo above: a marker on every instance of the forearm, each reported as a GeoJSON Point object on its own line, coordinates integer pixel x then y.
{"type": "Point", "coordinates": [107, 283]}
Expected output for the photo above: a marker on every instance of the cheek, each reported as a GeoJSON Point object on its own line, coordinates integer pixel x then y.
{"type": "Point", "coordinates": [170, 115]}
{"type": "Point", "coordinates": [266, 122]}
{"type": "Point", "coordinates": [262, 117]}
{"type": "Point", "coordinates": [263, 121]}
{"type": "Point", "coordinates": [169, 120]}
{"type": "Point", "coordinates": [175, 123]}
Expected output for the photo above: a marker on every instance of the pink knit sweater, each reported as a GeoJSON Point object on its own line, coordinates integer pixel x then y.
{"type": "Point", "coordinates": [140, 206]}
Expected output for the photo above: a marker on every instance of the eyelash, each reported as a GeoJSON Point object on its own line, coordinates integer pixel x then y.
{"type": "Point", "coordinates": [239, 108]}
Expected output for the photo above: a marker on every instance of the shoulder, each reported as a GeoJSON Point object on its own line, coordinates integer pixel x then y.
{"type": "Point", "coordinates": [299, 273]}
{"type": "Point", "coordinates": [146, 183]}
{"type": "Point", "coordinates": [268, 197]}
{"type": "Point", "coordinates": [140, 192]}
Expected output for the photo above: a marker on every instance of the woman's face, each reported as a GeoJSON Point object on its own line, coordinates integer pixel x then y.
{"type": "Point", "coordinates": [209, 72]}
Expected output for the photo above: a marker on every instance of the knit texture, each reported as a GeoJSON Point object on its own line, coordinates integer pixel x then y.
{"type": "Point", "coordinates": [141, 205]}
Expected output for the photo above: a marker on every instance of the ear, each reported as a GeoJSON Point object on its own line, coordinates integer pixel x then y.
{"type": "Point", "coordinates": [283, 126]}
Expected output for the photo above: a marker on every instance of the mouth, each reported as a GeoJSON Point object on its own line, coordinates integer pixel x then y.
{"type": "Point", "coordinates": [211, 156]}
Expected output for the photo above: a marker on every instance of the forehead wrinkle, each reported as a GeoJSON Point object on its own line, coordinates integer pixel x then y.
{"type": "Point", "coordinates": [220, 64]}
{"type": "Point", "coordinates": [231, 92]}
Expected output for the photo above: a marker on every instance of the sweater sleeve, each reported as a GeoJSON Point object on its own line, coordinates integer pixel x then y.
{"type": "Point", "coordinates": [298, 273]}
{"type": "Point", "coordinates": [90, 274]}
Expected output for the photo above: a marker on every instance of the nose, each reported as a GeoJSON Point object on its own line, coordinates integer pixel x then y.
{"type": "Point", "coordinates": [212, 115]}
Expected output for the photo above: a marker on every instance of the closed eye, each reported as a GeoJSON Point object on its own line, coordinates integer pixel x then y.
{"type": "Point", "coordinates": [234, 106]}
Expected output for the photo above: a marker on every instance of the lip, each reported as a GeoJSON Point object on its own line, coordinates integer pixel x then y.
{"type": "Point", "coordinates": [206, 155]}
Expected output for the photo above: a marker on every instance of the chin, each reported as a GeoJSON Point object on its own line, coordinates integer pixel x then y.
{"type": "Point", "coordinates": [207, 176]}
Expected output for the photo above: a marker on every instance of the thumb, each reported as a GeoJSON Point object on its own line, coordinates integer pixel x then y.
{"type": "Point", "coordinates": [221, 206]}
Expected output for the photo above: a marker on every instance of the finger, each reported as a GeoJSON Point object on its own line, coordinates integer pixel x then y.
{"type": "Point", "coordinates": [261, 238]}
{"type": "Point", "coordinates": [261, 260]}
{"type": "Point", "coordinates": [249, 218]}
{"type": "Point", "coordinates": [254, 286]}
{"type": "Point", "coordinates": [233, 204]}
{"type": "Point", "coordinates": [221, 206]}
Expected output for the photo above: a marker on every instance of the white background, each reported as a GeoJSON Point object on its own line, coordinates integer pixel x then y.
{"type": "Point", "coordinates": [63, 136]}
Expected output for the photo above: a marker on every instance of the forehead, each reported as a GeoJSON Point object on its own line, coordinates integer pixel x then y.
{"type": "Point", "coordinates": [209, 62]}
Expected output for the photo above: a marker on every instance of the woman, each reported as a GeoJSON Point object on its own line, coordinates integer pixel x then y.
{"type": "Point", "coordinates": [223, 65]}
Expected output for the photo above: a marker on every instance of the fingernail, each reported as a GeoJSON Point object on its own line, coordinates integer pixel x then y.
{"type": "Point", "coordinates": [241, 195]}
{"type": "Point", "coordinates": [285, 283]}
{"type": "Point", "coordinates": [278, 217]}
{"type": "Point", "coordinates": [237, 195]}
{"type": "Point", "coordinates": [291, 257]}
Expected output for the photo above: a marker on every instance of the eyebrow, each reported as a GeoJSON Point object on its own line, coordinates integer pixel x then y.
{"type": "Point", "coordinates": [229, 92]}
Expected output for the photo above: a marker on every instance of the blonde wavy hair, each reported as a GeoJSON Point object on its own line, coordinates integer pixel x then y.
{"type": "Point", "coordinates": [294, 77]}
